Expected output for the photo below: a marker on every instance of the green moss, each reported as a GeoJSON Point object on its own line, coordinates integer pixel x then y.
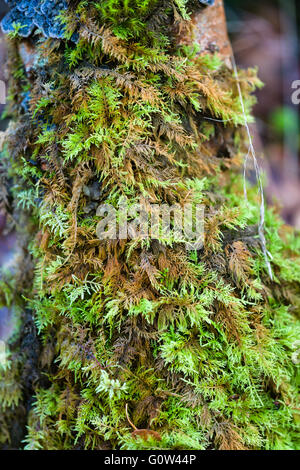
{"type": "Point", "coordinates": [194, 348]}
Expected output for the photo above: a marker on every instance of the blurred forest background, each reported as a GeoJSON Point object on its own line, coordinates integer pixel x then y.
{"type": "Point", "coordinates": [264, 33]}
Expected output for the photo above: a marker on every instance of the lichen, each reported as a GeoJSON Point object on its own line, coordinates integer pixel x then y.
{"type": "Point", "coordinates": [31, 14]}
{"type": "Point", "coordinates": [207, 2]}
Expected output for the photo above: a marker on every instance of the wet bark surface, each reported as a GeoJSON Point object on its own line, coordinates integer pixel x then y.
{"type": "Point", "coordinates": [209, 31]}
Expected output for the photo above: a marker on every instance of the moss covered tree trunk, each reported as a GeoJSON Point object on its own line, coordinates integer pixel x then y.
{"type": "Point", "coordinates": [139, 343]}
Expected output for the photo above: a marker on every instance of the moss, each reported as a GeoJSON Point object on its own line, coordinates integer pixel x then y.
{"type": "Point", "coordinates": [148, 345]}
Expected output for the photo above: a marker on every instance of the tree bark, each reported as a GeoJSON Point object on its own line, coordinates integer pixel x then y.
{"type": "Point", "coordinates": [209, 31]}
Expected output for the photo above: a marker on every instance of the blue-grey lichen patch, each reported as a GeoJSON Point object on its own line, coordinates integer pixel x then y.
{"type": "Point", "coordinates": [30, 14]}
{"type": "Point", "coordinates": [25, 101]}
{"type": "Point", "coordinates": [207, 2]}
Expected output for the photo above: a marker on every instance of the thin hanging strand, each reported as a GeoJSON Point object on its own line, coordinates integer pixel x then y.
{"type": "Point", "coordinates": [245, 171]}
{"type": "Point", "coordinates": [217, 120]}
{"type": "Point", "coordinates": [261, 231]}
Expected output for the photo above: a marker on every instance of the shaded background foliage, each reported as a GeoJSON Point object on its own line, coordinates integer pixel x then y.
{"type": "Point", "coordinates": [266, 34]}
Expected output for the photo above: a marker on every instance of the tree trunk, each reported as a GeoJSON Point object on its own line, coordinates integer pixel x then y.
{"type": "Point", "coordinates": [129, 341]}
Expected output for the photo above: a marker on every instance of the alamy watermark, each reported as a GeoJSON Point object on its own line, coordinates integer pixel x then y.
{"type": "Point", "coordinates": [296, 94]}
{"type": "Point", "coordinates": [2, 92]}
{"type": "Point", "coordinates": [3, 356]}
{"type": "Point", "coordinates": [145, 221]}
{"type": "Point", "coordinates": [296, 353]}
